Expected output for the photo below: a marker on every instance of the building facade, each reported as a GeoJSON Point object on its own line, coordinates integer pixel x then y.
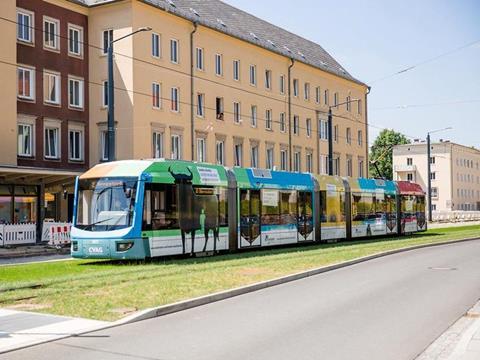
{"type": "Point", "coordinates": [455, 173]}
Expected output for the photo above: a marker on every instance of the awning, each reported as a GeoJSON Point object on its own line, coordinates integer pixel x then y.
{"type": "Point", "coordinates": [36, 176]}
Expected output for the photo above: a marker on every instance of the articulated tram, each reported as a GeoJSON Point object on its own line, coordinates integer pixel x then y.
{"type": "Point", "coordinates": [149, 208]}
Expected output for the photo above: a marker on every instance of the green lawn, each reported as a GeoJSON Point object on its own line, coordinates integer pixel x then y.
{"type": "Point", "coordinates": [109, 290]}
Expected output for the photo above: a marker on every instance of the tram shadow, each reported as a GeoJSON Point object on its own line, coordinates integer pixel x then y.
{"type": "Point", "coordinates": [250, 253]}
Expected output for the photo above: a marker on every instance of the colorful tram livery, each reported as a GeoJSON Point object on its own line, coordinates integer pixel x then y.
{"type": "Point", "coordinates": [149, 208]}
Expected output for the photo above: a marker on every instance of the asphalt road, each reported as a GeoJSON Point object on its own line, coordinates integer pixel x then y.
{"type": "Point", "coordinates": [35, 259]}
{"type": "Point", "coordinates": [388, 308]}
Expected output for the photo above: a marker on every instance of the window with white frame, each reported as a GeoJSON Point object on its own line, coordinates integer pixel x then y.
{"type": "Point", "coordinates": [157, 144]}
{"type": "Point", "coordinates": [75, 40]}
{"type": "Point", "coordinates": [306, 91]}
{"type": "Point", "coordinates": [295, 87]}
{"type": "Point", "coordinates": [433, 175]}
{"type": "Point", "coordinates": [25, 26]}
{"type": "Point", "coordinates": [156, 97]}
{"type": "Point", "coordinates": [410, 177]}
{"type": "Point", "coordinates": [253, 115]}
{"type": "Point", "coordinates": [75, 144]}
{"type": "Point", "coordinates": [219, 108]}
{"type": "Point", "coordinates": [107, 37]}
{"type": "Point", "coordinates": [335, 133]}
{"type": "Point", "coordinates": [296, 125]}
{"type": "Point", "coordinates": [268, 119]}
{"type": "Point", "coordinates": [268, 79]}
{"type": "Point", "coordinates": [359, 107]}
{"type": "Point", "coordinates": [349, 166]}
{"type": "Point", "coordinates": [323, 126]}
{"type": "Point", "coordinates": [360, 137]}
{"type": "Point", "coordinates": [50, 33]}
{"type": "Point", "coordinates": [323, 164]}
{"type": "Point", "coordinates": [283, 126]}
{"type": "Point", "coordinates": [51, 142]}
{"type": "Point", "coordinates": [318, 94]}
{"type": "Point", "coordinates": [434, 192]}
{"type": "Point", "coordinates": [237, 117]}
{"type": "Point", "coordinates": [336, 165]}
{"type": "Point", "coordinates": [283, 160]}
{"type": "Point", "coordinates": [254, 156]}
{"type": "Point", "coordinates": [269, 158]}
{"type": "Point", "coordinates": [360, 167]}
{"type": "Point", "coordinates": [174, 51]}
{"type": "Point", "coordinates": [104, 145]}
{"type": "Point", "coordinates": [238, 155]}
{"type": "Point", "coordinates": [156, 45]}
{"type": "Point", "coordinates": [309, 162]}
{"type": "Point", "coordinates": [220, 152]}
{"type": "Point", "coordinates": [297, 161]}
{"type": "Point", "coordinates": [282, 84]}
{"type": "Point", "coordinates": [25, 140]}
{"type": "Point", "coordinates": [201, 150]}
{"type": "Point", "coordinates": [51, 87]}
{"type": "Point", "coordinates": [199, 59]}
{"type": "Point", "coordinates": [105, 93]}
{"type": "Point", "coordinates": [200, 105]}
{"type": "Point", "coordinates": [175, 101]}
{"type": "Point", "coordinates": [349, 135]}
{"type": "Point", "coordinates": [236, 70]}
{"type": "Point", "coordinates": [26, 83]}
{"type": "Point", "coordinates": [218, 64]}
{"type": "Point", "coordinates": [308, 123]}
{"type": "Point", "coordinates": [326, 97]}
{"type": "Point", "coordinates": [75, 93]}
{"type": "Point", "coordinates": [253, 75]}
{"type": "Point", "coordinates": [349, 104]}
{"type": "Point", "coordinates": [335, 99]}
{"type": "Point", "coordinates": [176, 147]}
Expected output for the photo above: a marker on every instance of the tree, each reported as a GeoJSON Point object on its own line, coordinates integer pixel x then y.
{"type": "Point", "coordinates": [381, 152]}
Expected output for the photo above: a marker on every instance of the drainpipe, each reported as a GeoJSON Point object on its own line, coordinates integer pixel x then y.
{"type": "Point", "coordinates": [366, 131]}
{"type": "Point", "coordinates": [290, 114]}
{"type": "Point", "coordinates": [192, 95]}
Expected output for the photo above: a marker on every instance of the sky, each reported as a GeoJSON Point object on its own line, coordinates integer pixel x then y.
{"type": "Point", "coordinates": [376, 38]}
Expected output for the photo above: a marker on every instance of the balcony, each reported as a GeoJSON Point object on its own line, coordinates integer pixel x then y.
{"type": "Point", "coordinates": [405, 168]}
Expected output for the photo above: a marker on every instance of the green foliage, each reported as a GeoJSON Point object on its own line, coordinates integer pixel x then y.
{"type": "Point", "coordinates": [382, 152]}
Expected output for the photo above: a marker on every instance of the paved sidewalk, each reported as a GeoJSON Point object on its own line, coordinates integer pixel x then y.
{"type": "Point", "coordinates": [19, 329]}
{"type": "Point", "coordinates": [31, 250]}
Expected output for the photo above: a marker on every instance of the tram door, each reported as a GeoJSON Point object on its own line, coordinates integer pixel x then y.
{"type": "Point", "coordinates": [305, 216]}
{"type": "Point", "coordinates": [250, 206]}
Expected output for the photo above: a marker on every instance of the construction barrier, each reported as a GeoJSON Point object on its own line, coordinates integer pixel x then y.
{"type": "Point", "coordinates": [59, 233]}
{"type": "Point", "coordinates": [18, 234]}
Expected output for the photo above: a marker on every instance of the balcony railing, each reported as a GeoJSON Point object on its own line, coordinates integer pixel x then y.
{"type": "Point", "coordinates": [405, 168]}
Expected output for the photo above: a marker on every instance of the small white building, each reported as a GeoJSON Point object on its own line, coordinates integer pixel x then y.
{"type": "Point", "coordinates": [455, 173]}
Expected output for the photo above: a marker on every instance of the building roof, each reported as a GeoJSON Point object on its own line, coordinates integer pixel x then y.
{"type": "Point", "coordinates": [435, 146]}
{"type": "Point", "coordinates": [225, 18]}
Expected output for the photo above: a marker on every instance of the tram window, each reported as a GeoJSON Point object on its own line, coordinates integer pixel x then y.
{"type": "Point", "coordinates": [161, 202]}
{"type": "Point", "coordinates": [362, 206]}
{"type": "Point", "coordinates": [288, 207]}
{"type": "Point", "coordinates": [270, 207]}
{"type": "Point", "coordinates": [333, 206]}
{"type": "Point", "coordinates": [420, 203]}
{"type": "Point", "coordinates": [212, 203]}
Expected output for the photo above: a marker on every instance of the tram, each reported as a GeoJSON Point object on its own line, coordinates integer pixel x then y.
{"type": "Point", "coordinates": [137, 209]}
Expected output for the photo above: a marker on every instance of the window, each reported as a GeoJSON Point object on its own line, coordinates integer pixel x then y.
{"type": "Point", "coordinates": [282, 84]}
{"type": "Point", "coordinates": [238, 155]}
{"type": "Point", "coordinates": [201, 105]}
{"type": "Point", "coordinates": [254, 156]}
{"type": "Point", "coordinates": [51, 142]}
{"type": "Point", "coordinates": [174, 51]}
{"type": "Point", "coordinates": [283, 160]}
{"type": "Point", "coordinates": [360, 137]}
{"type": "Point", "coordinates": [434, 192]}
{"type": "Point", "coordinates": [26, 83]}
{"type": "Point", "coordinates": [75, 144]}
{"type": "Point", "coordinates": [199, 59]}
{"type": "Point", "coordinates": [326, 97]}
{"type": "Point", "coordinates": [104, 145]}
{"type": "Point", "coordinates": [269, 158]}
{"type": "Point", "coordinates": [433, 175]}
{"type": "Point", "coordinates": [25, 26]}
{"type": "Point", "coordinates": [282, 122]}
{"type": "Point", "coordinates": [432, 160]}
{"type": "Point", "coordinates": [157, 145]}
{"type": "Point", "coordinates": [236, 70]}
{"type": "Point", "coordinates": [105, 93]}
{"type": "Point", "coordinates": [75, 40]}
{"type": "Point", "coordinates": [296, 125]}
{"type": "Point", "coordinates": [176, 147]}
{"type": "Point", "coordinates": [175, 101]}
{"type": "Point", "coordinates": [434, 207]}
{"type": "Point", "coordinates": [308, 123]}
{"type": "Point", "coordinates": [335, 99]}
{"type": "Point", "coordinates": [218, 64]}
{"type": "Point", "coordinates": [335, 133]}
{"type": "Point", "coordinates": [50, 33]}
{"type": "Point", "coordinates": [295, 87]}
{"type": "Point", "coordinates": [324, 164]}
{"type": "Point", "coordinates": [107, 39]}
{"type": "Point", "coordinates": [220, 152]}
{"type": "Point", "coordinates": [410, 177]}
{"type": "Point", "coordinates": [306, 91]}
{"type": "Point", "coordinates": [349, 166]}
{"type": "Point", "coordinates": [25, 140]}
{"type": "Point", "coordinates": [253, 75]}
{"type": "Point", "coordinates": [156, 98]}
{"type": "Point", "coordinates": [323, 126]}
{"type": "Point", "coordinates": [336, 165]}
{"type": "Point", "coordinates": [236, 112]}
{"type": "Point", "coordinates": [253, 117]}
{"type": "Point", "coordinates": [51, 88]}
{"type": "Point", "coordinates": [201, 150]}
{"type": "Point", "coordinates": [349, 104]}
{"type": "Point", "coordinates": [318, 94]}
{"type": "Point", "coordinates": [155, 45]}
{"type": "Point", "coordinates": [360, 167]}
{"type": "Point", "coordinates": [359, 107]}
{"type": "Point", "coordinates": [349, 136]}
{"type": "Point", "coordinates": [219, 108]}
{"type": "Point", "coordinates": [75, 93]}
{"type": "Point", "coordinates": [309, 162]}
{"type": "Point", "coordinates": [268, 79]}
{"type": "Point", "coordinates": [409, 161]}
{"type": "Point", "coordinates": [296, 161]}
{"type": "Point", "coordinates": [268, 119]}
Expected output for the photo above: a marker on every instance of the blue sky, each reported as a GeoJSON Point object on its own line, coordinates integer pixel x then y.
{"type": "Point", "coordinates": [373, 39]}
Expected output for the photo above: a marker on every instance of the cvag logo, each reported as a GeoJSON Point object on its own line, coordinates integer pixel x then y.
{"type": "Point", "coordinates": [95, 250]}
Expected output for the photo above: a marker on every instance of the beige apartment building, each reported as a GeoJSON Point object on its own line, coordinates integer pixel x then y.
{"type": "Point", "coordinates": [455, 173]}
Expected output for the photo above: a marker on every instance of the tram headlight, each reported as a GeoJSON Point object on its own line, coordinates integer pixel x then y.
{"type": "Point", "coordinates": [74, 245]}
{"type": "Point", "coordinates": [124, 246]}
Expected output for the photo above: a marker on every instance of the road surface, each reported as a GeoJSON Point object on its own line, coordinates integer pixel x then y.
{"type": "Point", "coordinates": [388, 308]}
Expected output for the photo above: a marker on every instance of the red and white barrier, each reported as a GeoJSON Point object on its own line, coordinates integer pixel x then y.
{"type": "Point", "coordinates": [59, 234]}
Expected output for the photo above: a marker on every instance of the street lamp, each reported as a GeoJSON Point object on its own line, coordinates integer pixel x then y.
{"type": "Point", "coordinates": [429, 167]}
{"type": "Point", "coordinates": [330, 135]}
{"type": "Point", "coordinates": [111, 113]}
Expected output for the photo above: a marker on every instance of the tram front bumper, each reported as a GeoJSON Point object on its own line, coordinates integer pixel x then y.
{"type": "Point", "coordinates": [108, 249]}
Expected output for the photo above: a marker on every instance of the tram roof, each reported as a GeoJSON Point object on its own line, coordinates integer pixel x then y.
{"type": "Point", "coordinates": [260, 178]}
{"type": "Point", "coordinates": [328, 182]}
{"type": "Point", "coordinates": [372, 185]}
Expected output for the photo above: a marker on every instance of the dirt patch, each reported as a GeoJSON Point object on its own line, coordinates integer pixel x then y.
{"type": "Point", "coordinates": [29, 306]}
